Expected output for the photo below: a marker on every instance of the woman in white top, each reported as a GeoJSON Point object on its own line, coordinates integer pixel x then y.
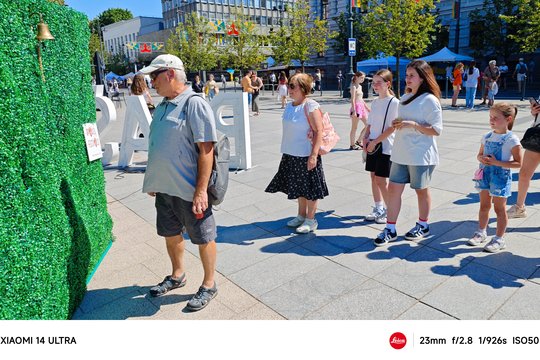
{"type": "Point", "coordinates": [471, 83]}
{"type": "Point", "coordinates": [378, 142]}
{"type": "Point", "coordinates": [358, 111]}
{"type": "Point", "coordinates": [300, 173]}
{"type": "Point", "coordinates": [415, 153]}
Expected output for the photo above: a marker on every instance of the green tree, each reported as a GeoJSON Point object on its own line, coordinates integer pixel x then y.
{"type": "Point", "coordinates": [526, 21]}
{"type": "Point", "coordinates": [194, 42]}
{"type": "Point", "coordinates": [118, 64]}
{"type": "Point", "coordinates": [497, 36]}
{"type": "Point", "coordinates": [109, 16]}
{"type": "Point", "coordinates": [398, 28]}
{"type": "Point", "coordinates": [243, 51]}
{"type": "Point", "coordinates": [301, 39]}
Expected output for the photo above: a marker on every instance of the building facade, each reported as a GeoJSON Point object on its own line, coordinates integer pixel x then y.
{"type": "Point", "coordinates": [266, 14]}
{"type": "Point", "coordinates": [117, 35]}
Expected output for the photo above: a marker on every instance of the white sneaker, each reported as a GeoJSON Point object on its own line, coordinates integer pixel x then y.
{"type": "Point", "coordinates": [381, 219]}
{"type": "Point", "coordinates": [309, 225]}
{"type": "Point", "coordinates": [516, 212]}
{"type": "Point", "coordinates": [478, 238]}
{"type": "Point", "coordinates": [374, 214]}
{"type": "Point", "coordinates": [296, 222]}
{"type": "Point", "coordinates": [495, 245]}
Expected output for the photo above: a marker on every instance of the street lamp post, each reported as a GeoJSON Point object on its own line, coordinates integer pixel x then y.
{"type": "Point", "coordinates": [346, 90]}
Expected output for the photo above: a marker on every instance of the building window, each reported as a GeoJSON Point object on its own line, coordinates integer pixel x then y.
{"type": "Point", "coordinates": [264, 21]}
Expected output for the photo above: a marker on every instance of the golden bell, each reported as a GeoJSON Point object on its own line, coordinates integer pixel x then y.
{"type": "Point", "coordinates": [43, 31]}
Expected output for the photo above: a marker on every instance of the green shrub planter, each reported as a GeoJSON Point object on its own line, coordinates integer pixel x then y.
{"type": "Point", "coordinates": [54, 225]}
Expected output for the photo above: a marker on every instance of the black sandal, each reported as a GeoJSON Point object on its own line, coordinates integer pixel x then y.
{"type": "Point", "coordinates": [167, 285]}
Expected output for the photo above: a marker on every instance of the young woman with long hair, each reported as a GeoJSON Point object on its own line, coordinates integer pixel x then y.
{"type": "Point", "coordinates": [415, 153]}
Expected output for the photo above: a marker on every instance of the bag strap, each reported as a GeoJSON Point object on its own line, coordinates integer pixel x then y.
{"type": "Point", "coordinates": [386, 113]}
{"type": "Point", "coordinates": [307, 115]}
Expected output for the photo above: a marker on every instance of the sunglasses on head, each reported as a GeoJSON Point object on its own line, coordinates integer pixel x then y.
{"type": "Point", "coordinates": [155, 74]}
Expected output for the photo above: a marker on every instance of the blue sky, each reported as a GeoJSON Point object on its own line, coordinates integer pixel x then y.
{"type": "Point", "coordinates": [93, 8]}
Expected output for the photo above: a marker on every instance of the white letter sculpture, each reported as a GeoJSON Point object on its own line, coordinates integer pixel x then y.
{"type": "Point", "coordinates": [137, 118]}
{"type": "Point", "coordinates": [237, 131]}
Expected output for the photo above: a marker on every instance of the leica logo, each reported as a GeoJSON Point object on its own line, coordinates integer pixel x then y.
{"type": "Point", "coordinates": [398, 340]}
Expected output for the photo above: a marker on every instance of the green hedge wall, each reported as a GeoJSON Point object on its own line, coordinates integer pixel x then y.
{"type": "Point", "coordinates": [54, 225]}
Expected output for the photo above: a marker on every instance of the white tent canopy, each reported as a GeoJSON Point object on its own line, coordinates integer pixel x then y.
{"type": "Point", "coordinates": [446, 55]}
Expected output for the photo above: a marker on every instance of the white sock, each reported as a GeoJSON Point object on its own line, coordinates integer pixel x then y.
{"type": "Point", "coordinates": [423, 223]}
{"type": "Point", "coordinates": [379, 205]}
{"type": "Point", "coordinates": [391, 227]}
{"type": "Point", "coordinates": [483, 231]}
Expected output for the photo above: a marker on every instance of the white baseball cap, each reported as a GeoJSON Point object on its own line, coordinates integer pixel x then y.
{"type": "Point", "coordinates": [166, 61]}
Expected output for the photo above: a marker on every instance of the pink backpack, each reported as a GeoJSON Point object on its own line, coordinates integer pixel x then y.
{"type": "Point", "coordinates": [329, 138]}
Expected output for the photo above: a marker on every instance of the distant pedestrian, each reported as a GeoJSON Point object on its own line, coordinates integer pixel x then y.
{"type": "Point", "coordinates": [211, 87]}
{"type": "Point", "coordinates": [504, 74]}
{"type": "Point", "coordinates": [500, 151]}
{"type": "Point", "coordinates": [318, 80]}
{"type": "Point", "coordinates": [471, 84]}
{"type": "Point", "coordinates": [520, 73]}
{"type": "Point", "coordinates": [246, 86]}
{"type": "Point", "coordinates": [282, 88]}
{"type": "Point", "coordinates": [491, 74]}
{"type": "Point", "coordinates": [458, 81]}
{"type": "Point", "coordinates": [197, 85]}
{"type": "Point", "coordinates": [358, 111]}
{"type": "Point", "coordinates": [340, 80]}
{"type": "Point", "coordinates": [223, 81]}
{"type": "Point", "coordinates": [138, 87]}
{"type": "Point", "coordinates": [415, 153]}
{"type": "Point", "coordinates": [257, 84]}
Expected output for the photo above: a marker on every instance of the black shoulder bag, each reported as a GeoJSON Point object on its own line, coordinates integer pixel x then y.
{"type": "Point", "coordinates": [531, 138]}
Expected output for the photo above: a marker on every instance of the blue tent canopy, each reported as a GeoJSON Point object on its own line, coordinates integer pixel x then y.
{"type": "Point", "coordinates": [112, 75]}
{"type": "Point", "coordinates": [388, 62]}
{"type": "Point", "coordinates": [446, 55]}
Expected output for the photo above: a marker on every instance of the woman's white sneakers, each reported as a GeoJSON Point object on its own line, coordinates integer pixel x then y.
{"type": "Point", "coordinates": [308, 226]}
{"type": "Point", "coordinates": [296, 222]}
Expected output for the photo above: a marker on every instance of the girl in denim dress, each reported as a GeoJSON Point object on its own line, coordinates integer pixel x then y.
{"type": "Point", "coordinates": [500, 151]}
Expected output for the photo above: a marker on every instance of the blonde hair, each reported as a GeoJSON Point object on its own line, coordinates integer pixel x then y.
{"type": "Point", "coordinates": [304, 82]}
{"type": "Point", "coordinates": [507, 110]}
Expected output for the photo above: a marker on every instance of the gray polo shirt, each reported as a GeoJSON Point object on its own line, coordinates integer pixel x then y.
{"type": "Point", "coordinates": [172, 149]}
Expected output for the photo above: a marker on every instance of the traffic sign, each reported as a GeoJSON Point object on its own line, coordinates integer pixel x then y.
{"type": "Point", "coordinates": [352, 47]}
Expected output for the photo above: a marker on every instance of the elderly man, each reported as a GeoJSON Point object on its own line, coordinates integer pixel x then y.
{"type": "Point", "coordinates": [491, 74]}
{"type": "Point", "coordinates": [180, 158]}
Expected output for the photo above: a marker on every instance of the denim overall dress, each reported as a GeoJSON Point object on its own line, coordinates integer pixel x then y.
{"type": "Point", "coordinates": [497, 180]}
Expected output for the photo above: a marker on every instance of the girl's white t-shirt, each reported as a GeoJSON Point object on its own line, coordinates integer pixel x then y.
{"type": "Point", "coordinates": [472, 79]}
{"type": "Point", "coordinates": [509, 143]}
{"type": "Point", "coordinates": [294, 140]}
{"type": "Point", "coordinates": [376, 120]}
{"type": "Point", "coordinates": [410, 146]}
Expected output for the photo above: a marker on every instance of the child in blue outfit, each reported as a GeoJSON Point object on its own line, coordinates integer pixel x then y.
{"type": "Point", "coordinates": [500, 151]}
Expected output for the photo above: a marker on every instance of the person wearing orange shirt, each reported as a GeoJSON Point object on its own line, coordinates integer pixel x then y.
{"type": "Point", "coordinates": [458, 80]}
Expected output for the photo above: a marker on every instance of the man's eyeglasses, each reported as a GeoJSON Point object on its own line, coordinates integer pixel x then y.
{"type": "Point", "coordinates": [155, 74]}
{"type": "Point", "coordinates": [291, 86]}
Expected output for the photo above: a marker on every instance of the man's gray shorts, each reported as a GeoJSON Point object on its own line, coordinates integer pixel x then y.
{"type": "Point", "coordinates": [174, 215]}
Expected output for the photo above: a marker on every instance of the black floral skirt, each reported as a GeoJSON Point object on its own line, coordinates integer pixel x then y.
{"type": "Point", "coordinates": [296, 181]}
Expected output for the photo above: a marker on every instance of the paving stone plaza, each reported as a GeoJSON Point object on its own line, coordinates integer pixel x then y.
{"type": "Point", "coordinates": [267, 272]}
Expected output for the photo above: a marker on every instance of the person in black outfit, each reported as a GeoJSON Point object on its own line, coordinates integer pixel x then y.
{"type": "Point", "coordinates": [197, 85]}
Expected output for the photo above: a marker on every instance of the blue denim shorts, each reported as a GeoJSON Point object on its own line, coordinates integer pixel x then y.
{"type": "Point", "coordinates": [418, 176]}
{"type": "Point", "coordinates": [497, 181]}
